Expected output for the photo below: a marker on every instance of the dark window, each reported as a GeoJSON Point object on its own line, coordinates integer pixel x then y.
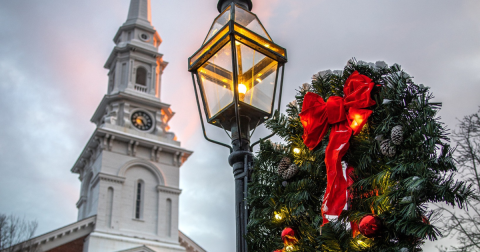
{"type": "Point", "coordinates": [141, 76]}
{"type": "Point", "coordinates": [138, 202]}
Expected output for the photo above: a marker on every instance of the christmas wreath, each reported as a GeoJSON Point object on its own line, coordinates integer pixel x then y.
{"type": "Point", "coordinates": [363, 155]}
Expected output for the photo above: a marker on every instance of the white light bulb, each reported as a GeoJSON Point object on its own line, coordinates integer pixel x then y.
{"type": "Point", "coordinates": [242, 89]}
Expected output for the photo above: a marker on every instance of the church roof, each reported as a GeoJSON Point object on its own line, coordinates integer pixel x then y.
{"type": "Point", "coordinates": [63, 235]}
{"type": "Point", "coordinates": [80, 229]}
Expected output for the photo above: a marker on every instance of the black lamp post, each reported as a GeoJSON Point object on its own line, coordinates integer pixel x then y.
{"type": "Point", "coordinates": [237, 71]}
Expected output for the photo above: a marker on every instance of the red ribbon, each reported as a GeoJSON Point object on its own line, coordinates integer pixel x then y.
{"type": "Point", "coordinates": [347, 115]}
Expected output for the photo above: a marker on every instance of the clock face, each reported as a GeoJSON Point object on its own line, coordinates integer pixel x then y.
{"type": "Point", "coordinates": [141, 120]}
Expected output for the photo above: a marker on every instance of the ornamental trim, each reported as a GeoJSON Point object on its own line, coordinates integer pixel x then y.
{"type": "Point", "coordinates": [169, 190]}
{"type": "Point", "coordinates": [108, 178]}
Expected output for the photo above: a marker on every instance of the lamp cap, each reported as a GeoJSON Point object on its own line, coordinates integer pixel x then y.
{"type": "Point", "coordinates": [223, 4]}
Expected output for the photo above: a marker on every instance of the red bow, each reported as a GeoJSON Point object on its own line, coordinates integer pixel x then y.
{"type": "Point", "coordinates": [346, 115]}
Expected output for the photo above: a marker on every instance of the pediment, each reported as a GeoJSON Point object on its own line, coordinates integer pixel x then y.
{"type": "Point", "coordinates": [138, 249]}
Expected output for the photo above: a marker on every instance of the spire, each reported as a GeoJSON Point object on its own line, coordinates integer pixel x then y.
{"type": "Point", "coordinates": [139, 13]}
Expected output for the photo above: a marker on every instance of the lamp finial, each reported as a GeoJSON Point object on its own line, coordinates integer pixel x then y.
{"type": "Point", "coordinates": [223, 4]}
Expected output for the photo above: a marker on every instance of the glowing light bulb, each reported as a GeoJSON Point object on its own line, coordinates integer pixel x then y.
{"type": "Point", "coordinates": [242, 90]}
{"type": "Point", "coordinates": [357, 121]}
{"type": "Point", "coordinates": [278, 216]}
{"type": "Point", "coordinates": [258, 80]}
{"type": "Point", "coordinates": [296, 150]}
{"type": "Point", "coordinates": [289, 248]}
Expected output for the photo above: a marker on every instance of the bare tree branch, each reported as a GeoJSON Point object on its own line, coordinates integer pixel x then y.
{"type": "Point", "coordinates": [16, 234]}
{"type": "Point", "coordinates": [465, 224]}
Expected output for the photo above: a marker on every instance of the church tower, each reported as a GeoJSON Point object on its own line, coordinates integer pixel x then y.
{"type": "Point", "coordinates": [129, 169]}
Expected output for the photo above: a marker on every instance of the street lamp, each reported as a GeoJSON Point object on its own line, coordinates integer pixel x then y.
{"type": "Point", "coordinates": [237, 69]}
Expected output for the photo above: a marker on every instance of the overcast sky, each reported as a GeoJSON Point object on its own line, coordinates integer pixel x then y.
{"type": "Point", "coordinates": [52, 54]}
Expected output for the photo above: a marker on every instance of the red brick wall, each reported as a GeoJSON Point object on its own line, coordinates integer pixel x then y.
{"type": "Point", "coordinates": [73, 246]}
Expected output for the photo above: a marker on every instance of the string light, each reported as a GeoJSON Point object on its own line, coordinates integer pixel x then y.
{"type": "Point", "coordinates": [357, 121]}
{"type": "Point", "coordinates": [296, 150]}
{"type": "Point", "coordinates": [363, 244]}
{"type": "Point", "coordinates": [278, 216]}
{"type": "Point", "coordinates": [289, 248]}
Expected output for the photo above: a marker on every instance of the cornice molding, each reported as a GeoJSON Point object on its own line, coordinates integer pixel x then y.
{"type": "Point", "coordinates": [169, 190]}
{"type": "Point", "coordinates": [151, 102]}
{"type": "Point", "coordinates": [108, 178]}
{"type": "Point", "coordinates": [188, 243]}
{"type": "Point", "coordinates": [131, 46]}
{"type": "Point", "coordinates": [101, 133]}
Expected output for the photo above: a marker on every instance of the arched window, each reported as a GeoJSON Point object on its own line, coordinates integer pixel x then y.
{"type": "Point", "coordinates": [141, 77]}
{"type": "Point", "coordinates": [139, 199]}
{"type": "Point", "coordinates": [108, 212]}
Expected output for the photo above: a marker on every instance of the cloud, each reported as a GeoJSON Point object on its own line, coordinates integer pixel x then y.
{"type": "Point", "coordinates": [52, 79]}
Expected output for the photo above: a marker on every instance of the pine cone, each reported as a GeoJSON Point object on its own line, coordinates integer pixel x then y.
{"type": "Point", "coordinates": [290, 172]}
{"type": "Point", "coordinates": [397, 135]}
{"type": "Point", "coordinates": [306, 86]}
{"type": "Point", "coordinates": [387, 148]}
{"type": "Point", "coordinates": [283, 166]}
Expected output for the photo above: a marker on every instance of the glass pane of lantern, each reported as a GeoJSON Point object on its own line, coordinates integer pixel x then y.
{"type": "Point", "coordinates": [259, 40]}
{"type": "Point", "coordinates": [220, 22]}
{"type": "Point", "coordinates": [256, 77]}
{"type": "Point", "coordinates": [216, 80]}
{"type": "Point", "coordinates": [249, 21]}
{"type": "Point", "coordinates": [210, 45]}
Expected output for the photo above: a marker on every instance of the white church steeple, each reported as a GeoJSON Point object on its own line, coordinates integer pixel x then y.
{"type": "Point", "coordinates": [139, 13]}
{"type": "Point", "coordinates": [129, 168]}
{"type": "Point", "coordinates": [135, 64]}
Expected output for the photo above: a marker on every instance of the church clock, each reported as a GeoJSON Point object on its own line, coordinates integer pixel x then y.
{"type": "Point", "coordinates": [141, 120]}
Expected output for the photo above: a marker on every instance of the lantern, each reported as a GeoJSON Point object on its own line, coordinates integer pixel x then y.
{"type": "Point", "coordinates": [237, 69]}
